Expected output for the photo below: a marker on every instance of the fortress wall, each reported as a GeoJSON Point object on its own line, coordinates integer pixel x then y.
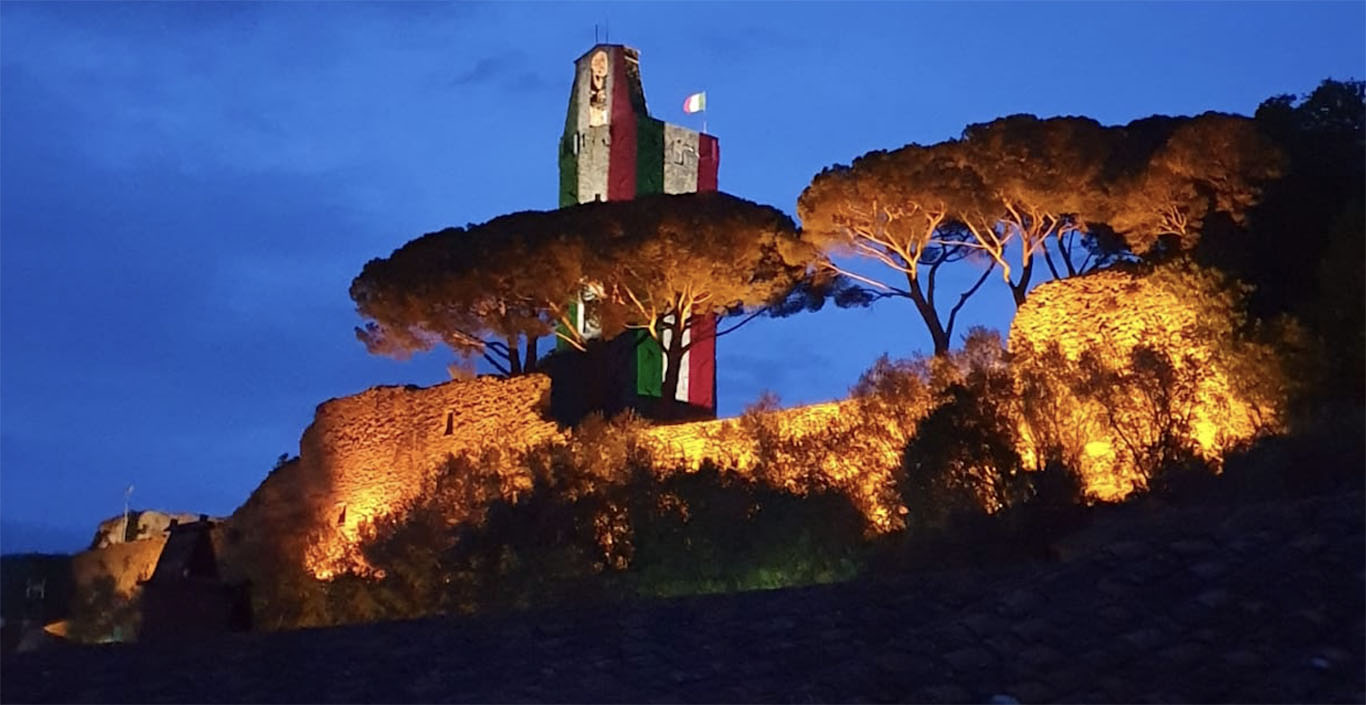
{"type": "Point", "coordinates": [821, 442]}
{"type": "Point", "coordinates": [127, 563]}
{"type": "Point", "coordinates": [366, 455]}
{"type": "Point", "coordinates": [1111, 310]}
{"type": "Point", "coordinates": [1183, 312]}
{"type": "Point", "coordinates": [720, 441]}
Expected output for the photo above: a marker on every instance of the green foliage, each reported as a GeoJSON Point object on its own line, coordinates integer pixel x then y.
{"type": "Point", "coordinates": [283, 594]}
{"type": "Point", "coordinates": [707, 532]}
{"type": "Point", "coordinates": [649, 262]}
{"type": "Point", "coordinates": [1210, 164]}
{"type": "Point", "coordinates": [489, 290]}
{"type": "Point", "coordinates": [1017, 190]}
{"type": "Point", "coordinates": [1324, 457]}
{"type": "Point", "coordinates": [962, 460]}
{"type": "Point", "coordinates": [538, 551]}
{"type": "Point", "coordinates": [1304, 244]}
{"type": "Point", "coordinates": [100, 613]}
{"type": "Point", "coordinates": [1149, 403]}
{"type": "Point", "coordinates": [52, 571]}
{"type": "Point", "coordinates": [594, 525]}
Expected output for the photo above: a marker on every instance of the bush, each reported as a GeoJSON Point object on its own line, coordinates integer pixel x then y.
{"type": "Point", "coordinates": [1328, 456]}
{"type": "Point", "coordinates": [100, 613]}
{"type": "Point", "coordinates": [708, 532]}
{"type": "Point", "coordinates": [962, 461]}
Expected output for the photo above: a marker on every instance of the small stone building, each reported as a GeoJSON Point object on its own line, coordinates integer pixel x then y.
{"type": "Point", "coordinates": [186, 597]}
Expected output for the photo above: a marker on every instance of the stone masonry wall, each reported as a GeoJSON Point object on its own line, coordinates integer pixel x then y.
{"type": "Point", "coordinates": [818, 440]}
{"type": "Point", "coordinates": [1181, 310]}
{"type": "Point", "coordinates": [127, 563]}
{"type": "Point", "coordinates": [367, 454]}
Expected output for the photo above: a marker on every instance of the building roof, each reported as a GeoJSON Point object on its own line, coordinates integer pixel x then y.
{"type": "Point", "coordinates": [188, 553]}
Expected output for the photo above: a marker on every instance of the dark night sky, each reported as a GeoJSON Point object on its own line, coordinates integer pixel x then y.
{"type": "Point", "coordinates": [188, 189]}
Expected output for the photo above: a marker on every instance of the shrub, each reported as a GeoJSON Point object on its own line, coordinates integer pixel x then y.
{"type": "Point", "coordinates": [962, 460]}
{"type": "Point", "coordinates": [100, 613]}
{"type": "Point", "coordinates": [709, 532]}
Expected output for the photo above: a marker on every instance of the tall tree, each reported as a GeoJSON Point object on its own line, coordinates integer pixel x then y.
{"type": "Point", "coordinates": [489, 291]}
{"type": "Point", "coordinates": [897, 208]}
{"type": "Point", "coordinates": [662, 263]}
{"type": "Point", "coordinates": [1207, 165]}
{"type": "Point", "coordinates": [1306, 241]}
{"type": "Point", "coordinates": [1046, 184]}
{"type": "Point", "coordinates": [654, 263]}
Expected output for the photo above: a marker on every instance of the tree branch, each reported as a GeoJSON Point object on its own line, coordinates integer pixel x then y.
{"type": "Point", "coordinates": [497, 366]}
{"type": "Point", "coordinates": [1048, 259]}
{"type": "Point", "coordinates": [840, 270]}
{"type": "Point", "coordinates": [963, 298]}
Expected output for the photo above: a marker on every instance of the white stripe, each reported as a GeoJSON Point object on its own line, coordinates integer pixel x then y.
{"type": "Point", "coordinates": [680, 159]}
{"type": "Point", "coordinates": [582, 80]}
{"type": "Point", "coordinates": [595, 143]}
{"type": "Point", "coordinates": [681, 393]}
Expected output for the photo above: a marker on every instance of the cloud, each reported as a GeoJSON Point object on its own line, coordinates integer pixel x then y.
{"type": "Point", "coordinates": [169, 326]}
{"type": "Point", "coordinates": [507, 70]}
{"type": "Point", "coordinates": [748, 41]}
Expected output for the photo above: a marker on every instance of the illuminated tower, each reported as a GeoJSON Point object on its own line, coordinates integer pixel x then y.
{"type": "Point", "coordinates": [612, 150]}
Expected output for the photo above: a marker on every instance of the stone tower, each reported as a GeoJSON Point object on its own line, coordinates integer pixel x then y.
{"type": "Point", "coordinates": [612, 150]}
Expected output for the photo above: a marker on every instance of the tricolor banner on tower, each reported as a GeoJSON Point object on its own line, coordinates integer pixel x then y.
{"type": "Point", "coordinates": [695, 103]}
{"type": "Point", "coordinates": [612, 150]}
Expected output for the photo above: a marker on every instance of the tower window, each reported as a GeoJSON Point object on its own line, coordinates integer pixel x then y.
{"type": "Point", "coordinates": [450, 422]}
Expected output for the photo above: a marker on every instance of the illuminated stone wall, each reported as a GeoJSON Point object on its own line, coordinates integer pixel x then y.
{"type": "Point", "coordinates": [127, 563]}
{"type": "Point", "coordinates": [1188, 313]}
{"type": "Point", "coordinates": [149, 524]}
{"type": "Point", "coordinates": [821, 440]}
{"type": "Point", "coordinates": [367, 454]}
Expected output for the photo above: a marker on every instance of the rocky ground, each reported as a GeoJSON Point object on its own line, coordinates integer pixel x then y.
{"type": "Point", "coordinates": [1261, 603]}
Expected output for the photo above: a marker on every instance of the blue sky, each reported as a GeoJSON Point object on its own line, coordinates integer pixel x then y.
{"type": "Point", "coordinates": [187, 189]}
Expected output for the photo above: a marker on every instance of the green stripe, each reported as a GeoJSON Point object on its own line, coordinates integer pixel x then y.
{"type": "Point", "coordinates": [569, 161]}
{"type": "Point", "coordinates": [649, 156]}
{"type": "Point", "coordinates": [649, 366]}
{"type": "Point", "coordinates": [560, 343]}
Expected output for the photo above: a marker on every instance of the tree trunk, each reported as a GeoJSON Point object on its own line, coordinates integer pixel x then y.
{"type": "Point", "coordinates": [530, 363]}
{"type": "Point", "coordinates": [514, 360]}
{"type": "Point", "coordinates": [673, 356]}
{"type": "Point", "coordinates": [938, 335]}
{"type": "Point", "coordinates": [1019, 290]}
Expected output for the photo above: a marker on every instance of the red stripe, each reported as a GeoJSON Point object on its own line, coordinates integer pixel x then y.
{"type": "Point", "coordinates": [708, 160]}
{"type": "Point", "coordinates": [621, 163]}
{"type": "Point", "coordinates": [702, 362]}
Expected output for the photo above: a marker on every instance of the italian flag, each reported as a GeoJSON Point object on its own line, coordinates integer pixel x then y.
{"type": "Point", "coordinates": [633, 154]}
{"type": "Point", "coordinates": [695, 103]}
{"type": "Point", "coordinates": [696, 374]}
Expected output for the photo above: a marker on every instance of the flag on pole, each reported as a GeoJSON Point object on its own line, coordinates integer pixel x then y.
{"type": "Point", "coordinates": [695, 103]}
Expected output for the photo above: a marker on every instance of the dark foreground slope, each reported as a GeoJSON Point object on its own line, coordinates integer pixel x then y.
{"type": "Point", "coordinates": [1255, 603]}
